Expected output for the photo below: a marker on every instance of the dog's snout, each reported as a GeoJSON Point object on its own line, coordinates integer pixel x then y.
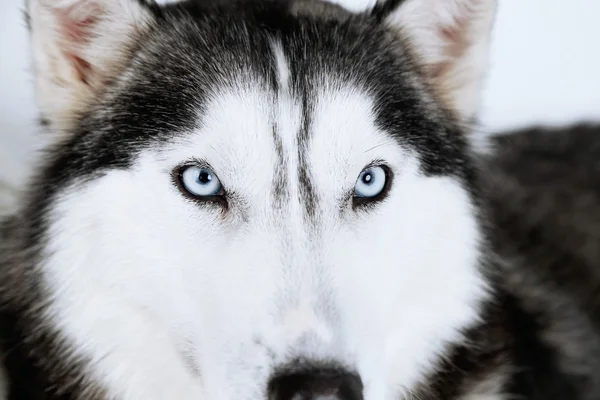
{"type": "Point", "coordinates": [316, 384]}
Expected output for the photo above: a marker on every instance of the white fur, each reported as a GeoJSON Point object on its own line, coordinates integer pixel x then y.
{"type": "Point", "coordinates": [174, 300]}
{"type": "Point", "coordinates": [283, 71]}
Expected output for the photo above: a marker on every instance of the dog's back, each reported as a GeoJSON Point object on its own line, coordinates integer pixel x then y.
{"type": "Point", "coordinates": [542, 187]}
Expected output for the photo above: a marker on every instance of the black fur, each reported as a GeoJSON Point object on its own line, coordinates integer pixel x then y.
{"type": "Point", "coordinates": [384, 8]}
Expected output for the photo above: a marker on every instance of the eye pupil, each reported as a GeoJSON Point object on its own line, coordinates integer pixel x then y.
{"type": "Point", "coordinates": [204, 177]}
{"type": "Point", "coordinates": [367, 178]}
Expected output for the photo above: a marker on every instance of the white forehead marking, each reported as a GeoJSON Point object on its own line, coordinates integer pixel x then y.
{"type": "Point", "coordinates": [283, 71]}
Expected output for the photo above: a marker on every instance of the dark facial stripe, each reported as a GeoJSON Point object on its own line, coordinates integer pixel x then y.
{"type": "Point", "coordinates": [307, 191]}
{"type": "Point", "coordinates": [280, 189]}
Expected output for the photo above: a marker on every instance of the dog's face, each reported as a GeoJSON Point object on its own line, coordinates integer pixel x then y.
{"type": "Point", "coordinates": [253, 199]}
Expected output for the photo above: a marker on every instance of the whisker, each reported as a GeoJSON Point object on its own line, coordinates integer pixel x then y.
{"type": "Point", "coordinates": [379, 145]}
{"type": "Point", "coordinates": [413, 395]}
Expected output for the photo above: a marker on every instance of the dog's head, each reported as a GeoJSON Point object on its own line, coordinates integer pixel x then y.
{"type": "Point", "coordinates": [248, 198]}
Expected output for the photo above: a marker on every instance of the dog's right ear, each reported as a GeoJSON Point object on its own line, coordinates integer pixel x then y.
{"type": "Point", "coordinates": [78, 46]}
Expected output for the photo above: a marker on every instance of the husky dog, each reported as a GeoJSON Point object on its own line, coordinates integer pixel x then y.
{"type": "Point", "coordinates": [278, 200]}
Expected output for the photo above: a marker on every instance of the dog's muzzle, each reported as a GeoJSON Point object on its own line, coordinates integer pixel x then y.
{"type": "Point", "coordinates": [316, 384]}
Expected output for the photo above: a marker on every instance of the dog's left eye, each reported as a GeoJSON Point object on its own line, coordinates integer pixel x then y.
{"type": "Point", "coordinates": [371, 183]}
{"type": "Point", "coordinates": [200, 182]}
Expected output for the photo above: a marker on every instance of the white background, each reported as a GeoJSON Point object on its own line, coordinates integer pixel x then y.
{"type": "Point", "coordinates": [545, 69]}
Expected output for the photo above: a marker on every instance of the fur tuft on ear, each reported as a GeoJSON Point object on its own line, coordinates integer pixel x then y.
{"type": "Point", "coordinates": [452, 40]}
{"type": "Point", "coordinates": [78, 45]}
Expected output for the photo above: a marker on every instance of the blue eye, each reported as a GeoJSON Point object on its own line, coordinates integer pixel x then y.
{"type": "Point", "coordinates": [200, 182]}
{"type": "Point", "coordinates": [371, 183]}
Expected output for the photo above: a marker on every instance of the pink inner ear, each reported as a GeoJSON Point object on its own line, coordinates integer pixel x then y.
{"type": "Point", "coordinates": [82, 67]}
{"type": "Point", "coordinates": [76, 26]}
{"type": "Point", "coordinates": [76, 29]}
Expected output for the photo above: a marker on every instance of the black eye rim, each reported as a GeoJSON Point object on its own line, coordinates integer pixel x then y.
{"type": "Point", "coordinates": [219, 198]}
{"type": "Point", "coordinates": [367, 202]}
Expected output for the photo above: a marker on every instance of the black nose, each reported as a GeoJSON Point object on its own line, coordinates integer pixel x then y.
{"type": "Point", "coordinates": [317, 384]}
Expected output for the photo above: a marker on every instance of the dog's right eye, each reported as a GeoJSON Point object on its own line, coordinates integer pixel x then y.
{"type": "Point", "coordinates": [199, 182]}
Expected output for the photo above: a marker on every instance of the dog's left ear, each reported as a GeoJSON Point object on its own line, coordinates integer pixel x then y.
{"type": "Point", "coordinates": [451, 38]}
